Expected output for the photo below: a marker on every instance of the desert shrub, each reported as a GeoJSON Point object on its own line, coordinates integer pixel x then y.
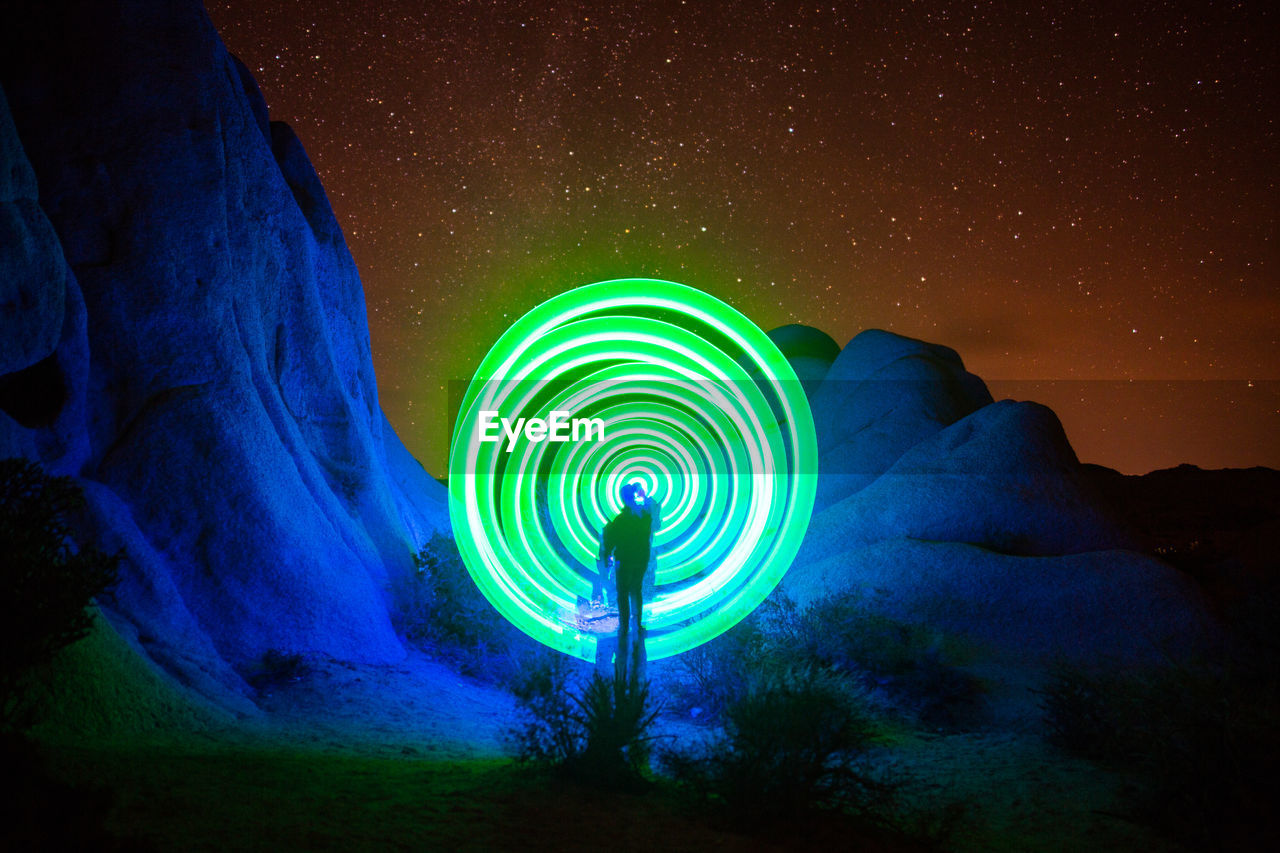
{"type": "Point", "coordinates": [1254, 621]}
{"type": "Point", "coordinates": [413, 600]}
{"type": "Point", "coordinates": [441, 607]}
{"type": "Point", "coordinates": [550, 735]}
{"type": "Point", "coordinates": [1200, 747]}
{"type": "Point", "coordinates": [911, 668]}
{"type": "Point", "coordinates": [918, 667]}
{"type": "Point", "coordinates": [717, 673]}
{"type": "Point", "coordinates": [793, 742]}
{"type": "Point", "coordinates": [49, 584]}
{"type": "Point", "coordinates": [617, 716]}
{"type": "Point", "coordinates": [597, 732]}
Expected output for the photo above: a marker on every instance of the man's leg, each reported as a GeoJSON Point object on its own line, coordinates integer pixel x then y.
{"type": "Point", "coordinates": [600, 584]}
{"type": "Point", "coordinates": [624, 627]}
{"type": "Point", "coordinates": [639, 655]}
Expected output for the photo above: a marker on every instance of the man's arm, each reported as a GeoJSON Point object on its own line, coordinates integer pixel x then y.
{"type": "Point", "coordinates": [651, 570]}
{"type": "Point", "coordinates": [606, 545]}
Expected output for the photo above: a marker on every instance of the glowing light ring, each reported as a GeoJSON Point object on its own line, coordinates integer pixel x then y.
{"type": "Point", "coordinates": [697, 404]}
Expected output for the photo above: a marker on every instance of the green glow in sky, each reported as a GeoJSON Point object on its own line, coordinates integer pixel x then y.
{"type": "Point", "coordinates": [696, 402]}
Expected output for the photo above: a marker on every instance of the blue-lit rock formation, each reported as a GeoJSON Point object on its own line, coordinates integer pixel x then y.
{"type": "Point", "coordinates": [809, 351]}
{"type": "Point", "coordinates": [1098, 609]}
{"type": "Point", "coordinates": [882, 395]}
{"type": "Point", "coordinates": [43, 340]}
{"type": "Point", "coordinates": [1003, 478]}
{"type": "Point", "coordinates": [976, 516]}
{"type": "Point", "coordinates": [184, 330]}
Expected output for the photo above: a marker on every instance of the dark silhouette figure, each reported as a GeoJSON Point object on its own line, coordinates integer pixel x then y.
{"type": "Point", "coordinates": [626, 544]}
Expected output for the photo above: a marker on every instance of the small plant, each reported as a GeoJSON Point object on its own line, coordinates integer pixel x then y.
{"type": "Point", "coordinates": [916, 666]}
{"type": "Point", "coordinates": [792, 743]}
{"type": "Point", "coordinates": [909, 667]}
{"type": "Point", "coordinates": [598, 733]}
{"type": "Point", "coordinates": [616, 715]}
{"type": "Point", "coordinates": [414, 599]}
{"type": "Point", "coordinates": [551, 736]}
{"type": "Point", "coordinates": [716, 674]}
{"type": "Point", "coordinates": [440, 606]}
{"type": "Point", "coordinates": [49, 584]}
{"type": "Point", "coordinates": [1083, 712]}
{"type": "Point", "coordinates": [1200, 747]}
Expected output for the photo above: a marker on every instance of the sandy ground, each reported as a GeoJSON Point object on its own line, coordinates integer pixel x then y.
{"type": "Point", "coordinates": [418, 707]}
{"type": "Point", "coordinates": [996, 790]}
{"type": "Point", "coordinates": [413, 756]}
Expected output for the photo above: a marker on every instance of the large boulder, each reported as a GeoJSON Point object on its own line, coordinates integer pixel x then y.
{"type": "Point", "coordinates": [43, 340]}
{"type": "Point", "coordinates": [33, 276]}
{"type": "Point", "coordinates": [231, 436]}
{"type": "Point", "coordinates": [882, 395]}
{"type": "Point", "coordinates": [1003, 478]}
{"type": "Point", "coordinates": [809, 351]}
{"type": "Point", "coordinates": [1097, 609]}
{"type": "Point", "coordinates": [990, 528]}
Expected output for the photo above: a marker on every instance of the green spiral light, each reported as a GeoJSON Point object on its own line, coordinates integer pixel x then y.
{"type": "Point", "coordinates": [696, 403]}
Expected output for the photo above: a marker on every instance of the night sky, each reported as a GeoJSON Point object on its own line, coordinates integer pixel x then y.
{"type": "Point", "coordinates": [1078, 197]}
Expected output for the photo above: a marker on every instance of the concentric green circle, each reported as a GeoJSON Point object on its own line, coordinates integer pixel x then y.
{"type": "Point", "coordinates": [696, 403]}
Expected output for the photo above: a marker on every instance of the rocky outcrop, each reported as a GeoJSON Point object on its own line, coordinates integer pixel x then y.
{"type": "Point", "coordinates": [883, 395]}
{"type": "Point", "coordinates": [230, 437]}
{"type": "Point", "coordinates": [1094, 609]}
{"type": "Point", "coordinates": [809, 351]}
{"type": "Point", "coordinates": [43, 338]}
{"type": "Point", "coordinates": [33, 276]}
{"type": "Point", "coordinates": [983, 523]}
{"type": "Point", "coordinates": [1003, 478]}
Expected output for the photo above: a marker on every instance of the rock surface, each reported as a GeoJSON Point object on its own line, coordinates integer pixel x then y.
{"type": "Point", "coordinates": [43, 338]}
{"type": "Point", "coordinates": [940, 505]}
{"type": "Point", "coordinates": [1003, 478]}
{"type": "Point", "coordinates": [33, 276]}
{"type": "Point", "coordinates": [809, 351]}
{"type": "Point", "coordinates": [882, 395]}
{"type": "Point", "coordinates": [1094, 609]}
{"type": "Point", "coordinates": [230, 437]}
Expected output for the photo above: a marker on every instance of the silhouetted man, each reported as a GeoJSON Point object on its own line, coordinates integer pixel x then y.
{"type": "Point", "coordinates": [626, 542]}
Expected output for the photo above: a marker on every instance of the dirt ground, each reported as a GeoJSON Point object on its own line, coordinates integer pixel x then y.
{"type": "Point", "coordinates": [412, 756]}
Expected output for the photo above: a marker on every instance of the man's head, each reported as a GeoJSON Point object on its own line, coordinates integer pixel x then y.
{"type": "Point", "coordinates": [633, 495]}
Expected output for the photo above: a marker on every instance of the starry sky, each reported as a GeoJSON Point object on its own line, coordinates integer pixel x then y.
{"type": "Point", "coordinates": [1079, 197]}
